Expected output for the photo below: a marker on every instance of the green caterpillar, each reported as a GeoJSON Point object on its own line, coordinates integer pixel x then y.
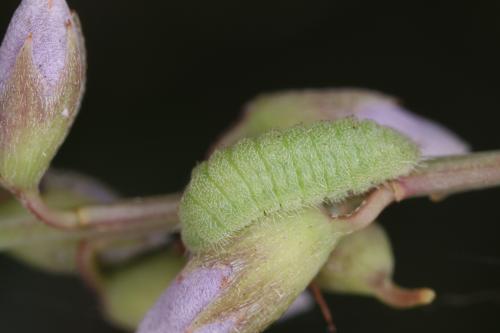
{"type": "Point", "coordinates": [283, 171]}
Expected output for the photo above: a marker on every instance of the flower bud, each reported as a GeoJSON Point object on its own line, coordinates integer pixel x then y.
{"type": "Point", "coordinates": [42, 76]}
{"type": "Point", "coordinates": [363, 264]}
{"type": "Point", "coordinates": [251, 281]}
{"type": "Point", "coordinates": [286, 109]}
{"type": "Point", "coordinates": [129, 292]}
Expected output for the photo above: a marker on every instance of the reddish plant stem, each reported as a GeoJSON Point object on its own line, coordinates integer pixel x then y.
{"type": "Point", "coordinates": [325, 310]}
{"type": "Point", "coordinates": [93, 253]}
{"type": "Point", "coordinates": [127, 215]}
{"type": "Point", "coordinates": [448, 175]}
{"type": "Point", "coordinates": [441, 176]}
{"type": "Point", "coordinates": [369, 209]}
{"type": "Point", "coordinates": [87, 266]}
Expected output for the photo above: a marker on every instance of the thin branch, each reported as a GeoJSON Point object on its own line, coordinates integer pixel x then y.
{"type": "Point", "coordinates": [441, 176]}
{"type": "Point", "coordinates": [325, 309]}
{"type": "Point", "coordinates": [369, 209]}
{"type": "Point", "coordinates": [86, 259]}
{"type": "Point", "coordinates": [448, 175]}
{"type": "Point", "coordinates": [131, 214]}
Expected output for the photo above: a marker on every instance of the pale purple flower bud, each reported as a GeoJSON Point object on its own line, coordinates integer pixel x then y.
{"type": "Point", "coordinates": [42, 76]}
{"type": "Point", "coordinates": [187, 296]}
{"type": "Point", "coordinates": [249, 283]}
{"type": "Point", "coordinates": [286, 109]}
{"type": "Point", "coordinates": [44, 21]}
{"type": "Point", "coordinates": [432, 138]}
{"type": "Point", "coordinates": [128, 292]}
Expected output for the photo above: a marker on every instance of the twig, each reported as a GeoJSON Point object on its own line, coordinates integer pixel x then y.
{"type": "Point", "coordinates": [131, 214]}
{"type": "Point", "coordinates": [325, 310]}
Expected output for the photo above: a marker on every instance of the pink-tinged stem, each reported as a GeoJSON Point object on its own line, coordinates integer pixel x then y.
{"type": "Point", "coordinates": [87, 266]}
{"type": "Point", "coordinates": [132, 214]}
{"type": "Point", "coordinates": [439, 176]}
{"type": "Point", "coordinates": [448, 175]}
{"type": "Point", "coordinates": [92, 252]}
{"type": "Point", "coordinates": [325, 310]}
{"type": "Point", "coordinates": [369, 209]}
{"type": "Point", "coordinates": [445, 175]}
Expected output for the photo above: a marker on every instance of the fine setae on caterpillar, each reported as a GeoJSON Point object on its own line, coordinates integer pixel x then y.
{"type": "Point", "coordinates": [283, 171]}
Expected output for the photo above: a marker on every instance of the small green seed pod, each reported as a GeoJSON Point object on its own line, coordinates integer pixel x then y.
{"type": "Point", "coordinates": [284, 171]}
{"type": "Point", "coordinates": [363, 264]}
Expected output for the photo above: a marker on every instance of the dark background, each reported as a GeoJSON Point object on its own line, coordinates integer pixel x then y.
{"type": "Point", "coordinates": [166, 77]}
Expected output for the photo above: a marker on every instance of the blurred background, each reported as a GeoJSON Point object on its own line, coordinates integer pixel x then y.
{"type": "Point", "coordinates": [166, 77]}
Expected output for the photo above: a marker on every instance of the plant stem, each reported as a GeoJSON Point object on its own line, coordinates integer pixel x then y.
{"type": "Point", "coordinates": [87, 266]}
{"type": "Point", "coordinates": [131, 214]}
{"type": "Point", "coordinates": [445, 175]}
{"type": "Point", "coordinates": [448, 175]}
{"type": "Point", "coordinates": [325, 310]}
{"type": "Point", "coordinates": [375, 202]}
{"type": "Point", "coordinates": [440, 176]}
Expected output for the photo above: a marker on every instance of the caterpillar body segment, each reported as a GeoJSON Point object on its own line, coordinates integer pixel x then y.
{"type": "Point", "coordinates": [285, 170]}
